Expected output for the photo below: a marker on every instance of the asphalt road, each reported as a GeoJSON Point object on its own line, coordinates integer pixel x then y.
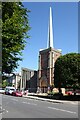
{"type": "Point", "coordinates": [19, 107]}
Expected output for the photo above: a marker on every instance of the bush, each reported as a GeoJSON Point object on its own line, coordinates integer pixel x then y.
{"type": "Point", "coordinates": [58, 94]}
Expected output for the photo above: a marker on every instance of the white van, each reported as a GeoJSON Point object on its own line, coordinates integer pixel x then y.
{"type": "Point", "coordinates": [9, 90]}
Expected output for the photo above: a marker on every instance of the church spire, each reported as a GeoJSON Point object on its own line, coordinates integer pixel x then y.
{"type": "Point", "coordinates": [50, 31]}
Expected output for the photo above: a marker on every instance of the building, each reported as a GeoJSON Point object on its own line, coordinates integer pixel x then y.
{"type": "Point", "coordinates": [14, 80]}
{"type": "Point", "coordinates": [28, 80]}
{"type": "Point", "coordinates": [47, 58]}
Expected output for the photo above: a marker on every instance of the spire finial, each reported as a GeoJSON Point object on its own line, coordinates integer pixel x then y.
{"type": "Point", "coordinates": [50, 31]}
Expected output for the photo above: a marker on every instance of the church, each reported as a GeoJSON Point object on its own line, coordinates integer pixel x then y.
{"type": "Point", "coordinates": [43, 78]}
{"type": "Point", "coordinates": [46, 61]}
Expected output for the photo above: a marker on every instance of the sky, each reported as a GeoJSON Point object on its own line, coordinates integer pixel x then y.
{"type": "Point", "coordinates": [65, 30]}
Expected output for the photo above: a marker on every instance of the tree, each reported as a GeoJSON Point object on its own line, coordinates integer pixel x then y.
{"type": "Point", "coordinates": [4, 83]}
{"type": "Point", "coordinates": [15, 27]}
{"type": "Point", "coordinates": [67, 71]}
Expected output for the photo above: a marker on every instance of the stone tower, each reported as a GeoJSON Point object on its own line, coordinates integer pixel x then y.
{"type": "Point", "coordinates": [47, 58]}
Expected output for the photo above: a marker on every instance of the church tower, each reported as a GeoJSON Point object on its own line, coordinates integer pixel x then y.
{"type": "Point", "coordinates": [50, 31]}
{"type": "Point", "coordinates": [47, 58]}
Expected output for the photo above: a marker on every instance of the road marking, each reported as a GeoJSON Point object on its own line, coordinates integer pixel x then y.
{"type": "Point", "coordinates": [14, 99]}
{"type": "Point", "coordinates": [75, 103]}
{"type": "Point", "coordinates": [1, 107]}
{"type": "Point", "coordinates": [62, 110]}
{"type": "Point", "coordinates": [2, 111]}
{"type": "Point", "coordinates": [33, 104]}
{"type": "Point", "coordinates": [23, 102]}
{"type": "Point", "coordinates": [29, 103]}
{"type": "Point", "coordinates": [24, 97]}
{"type": "Point", "coordinates": [6, 111]}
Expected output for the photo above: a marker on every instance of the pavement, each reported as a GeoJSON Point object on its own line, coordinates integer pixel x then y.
{"type": "Point", "coordinates": [36, 96]}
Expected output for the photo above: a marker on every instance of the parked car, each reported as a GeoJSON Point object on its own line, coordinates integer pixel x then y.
{"type": "Point", "coordinates": [2, 90]}
{"type": "Point", "coordinates": [78, 92]}
{"type": "Point", "coordinates": [9, 90]}
{"type": "Point", "coordinates": [17, 93]}
{"type": "Point", "coordinates": [69, 92]}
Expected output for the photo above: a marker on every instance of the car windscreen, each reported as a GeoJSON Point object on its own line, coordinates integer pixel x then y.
{"type": "Point", "coordinates": [12, 89]}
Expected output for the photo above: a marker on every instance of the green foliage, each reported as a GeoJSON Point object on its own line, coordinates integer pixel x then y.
{"type": "Point", "coordinates": [67, 71]}
{"type": "Point", "coordinates": [4, 83]}
{"type": "Point", "coordinates": [9, 84]}
{"type": "Point", "coordinates": [15, 27]}
{"type": "Point", "coordinates": [0, 85]}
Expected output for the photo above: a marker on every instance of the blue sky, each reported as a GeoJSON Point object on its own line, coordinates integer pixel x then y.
{"type": "Point", "coordinates": [65, 30]}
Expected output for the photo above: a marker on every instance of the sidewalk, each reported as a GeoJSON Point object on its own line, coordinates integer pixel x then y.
{"type": "Point", "coordinates": [31, 96]}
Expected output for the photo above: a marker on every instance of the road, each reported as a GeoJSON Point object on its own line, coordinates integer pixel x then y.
{"type": "Point", "coordinates": [19, 107]}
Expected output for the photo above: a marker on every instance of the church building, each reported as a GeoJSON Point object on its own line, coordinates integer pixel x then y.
{"type": "Point", "coordinates": [46, 61]}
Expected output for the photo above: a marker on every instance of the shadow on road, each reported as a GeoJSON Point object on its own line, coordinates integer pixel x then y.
{"type": "Point", "coordinates": [61, 97]}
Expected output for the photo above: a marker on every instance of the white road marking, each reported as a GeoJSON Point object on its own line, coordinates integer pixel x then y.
{"type": "Point", "coordinates": [75, 103]}
{"type": "Point", "coordinates": [31, 99]}
{"type": "Point", "coordinates": [29, 103]}
{"type": "Point", "coordinates": [14, 99]}
{"type": "Point", "coordinates": [33, 104]}
{"type": "Point", "coordinates": [24, 97]}
{"type": "Point", "coordinates": [3, 111]}
{"type": "Point", "coordinates": [62, 110]}
{"type": "Point", "coordinates": [23, 102]}
{"type": "Point", "coordinates": [7, 111]}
